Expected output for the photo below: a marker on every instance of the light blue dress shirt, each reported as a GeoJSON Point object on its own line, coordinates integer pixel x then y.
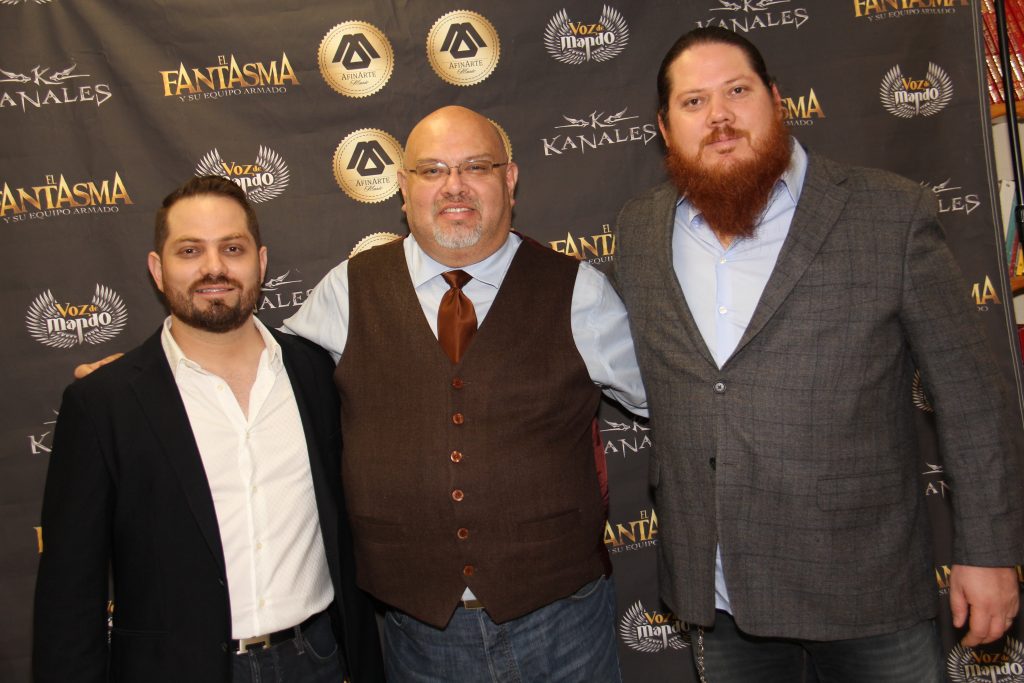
{"type": "Point", "coordinates": [600, 327]}
{"type": "Point", "coordinates": [723, 285]}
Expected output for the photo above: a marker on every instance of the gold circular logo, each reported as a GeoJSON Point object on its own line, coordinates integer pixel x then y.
{"type": "Point", "coordinates": [504, 138]}
{"type": "Point", "coordinates": [374, 240]}
{"type": "Point", "coordinates": [463, 47]}
{"type": "Point", "coordinates": [356, 59]}
{"type": "Point", "coordinates": [366, 165]}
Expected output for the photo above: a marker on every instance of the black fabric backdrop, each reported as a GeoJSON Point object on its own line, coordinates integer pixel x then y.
{"type": "Point", "coordinates": [105, 107]}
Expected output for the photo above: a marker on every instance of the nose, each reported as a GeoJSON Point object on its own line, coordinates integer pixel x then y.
{"type": "Point", "coordinates": [213, 263]}
{"type": "Point", "coordinates": [453, 183]}
{"type": "Point", "coordinates": [719, 111]}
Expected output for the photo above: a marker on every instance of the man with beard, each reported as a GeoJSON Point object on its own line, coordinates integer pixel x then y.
{"type": "Point", "coordinates": [471, 364]}
{"type": "Point", "coordinates": [201, 474]}
{"type": "Point", "coordinates": [780, 304]}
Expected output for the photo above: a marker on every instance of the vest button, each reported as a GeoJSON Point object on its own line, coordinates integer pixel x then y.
{"type": "Point", "coordinates": [458, 495]}
{"type": "Point", "coordinates": [719, 387]}
{"type": "Point", "coordinates": [462, 533]}
{"type": "Point", "coordinates": [456, 456]}
{"type": "Point", "coordinates": [457, 383]}
{"type": "Point", "coordinates": [712, 463]}
{"type": "Point", "coordinates": [458, 419]}
{"type": "Point", "coordinates": [468, 570]}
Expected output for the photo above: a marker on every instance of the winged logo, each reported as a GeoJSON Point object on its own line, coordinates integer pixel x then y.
{"type": "Point", "coordinates": [633, 622]}
{"type": "Point", "coordinates": [47, 326]}
{"type": "Point", "coordinates": [899, 102]}
{"type": "Point", "coordinates": [919, 396]}
{"type": "Point", "coordinates": [961, 664]}
{"type": "Point", "coordinates": [267, 160]}
{"type": "Point", "coordinates": [569, 48]}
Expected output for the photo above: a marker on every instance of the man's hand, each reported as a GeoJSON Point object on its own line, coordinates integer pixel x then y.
{"type": "Point", "coordinates": [87, 368]}
{"type": "Point", "coordinates": [989, 594]}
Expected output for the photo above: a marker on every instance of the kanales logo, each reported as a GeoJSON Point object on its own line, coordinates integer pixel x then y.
{"type": "Point", "coordinates": [45, 85]}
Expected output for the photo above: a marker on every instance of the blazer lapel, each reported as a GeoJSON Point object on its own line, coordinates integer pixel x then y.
{"type": "Point", "coordinates": [664, 218]}
{"type": "Point", "coordinates": [158, 395]}
{"type": "Point", "coordinates": [821, 202]}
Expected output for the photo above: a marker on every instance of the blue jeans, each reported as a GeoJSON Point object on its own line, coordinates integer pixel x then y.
{"type": "Point", "coordinates": [310, 658]}
{"type": "Point", "coordinates": [912, 655]}
{"type": "Point", "coordinates": [570, 640]}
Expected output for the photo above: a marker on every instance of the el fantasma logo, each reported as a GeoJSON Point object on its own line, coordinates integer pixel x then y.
{"type": "Point", "coordinates": [633, 534]}
{"type": "Point", "coordinates": [877, 10]}
{"type": "Point", "coordinates": [744, 16]}
{"type": "Point", "coordinates": [262, 179]}
{"type": "Point", "coordinates": [227, 78]}
{"type": "Point", "coordinates": [57, 196]}
{"type": "Point", "coordinates": [573, 41]}
{"type": "Point", "coordinates": [802, 110]}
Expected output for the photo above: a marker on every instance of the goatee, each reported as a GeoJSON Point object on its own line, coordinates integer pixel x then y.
{"type": "Point", "coordinates": [219, 316]}
{"type": "Point", "coordinates": [732, 198]}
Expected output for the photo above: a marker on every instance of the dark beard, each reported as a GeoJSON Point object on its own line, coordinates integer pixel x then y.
{"type": "Point", "coordinates": [219, 317]}
{"type": "Point", "coordinates": [732, 199]}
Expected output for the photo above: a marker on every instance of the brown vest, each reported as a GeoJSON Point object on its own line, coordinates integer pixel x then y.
{"type": "Point", "coordinates": [479, 474]}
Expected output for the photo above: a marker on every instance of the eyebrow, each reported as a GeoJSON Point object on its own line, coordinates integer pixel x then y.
{"type": "Point", "coordinates": [731, 81]}
{"type": "Point", "coordinates": [227, 238]}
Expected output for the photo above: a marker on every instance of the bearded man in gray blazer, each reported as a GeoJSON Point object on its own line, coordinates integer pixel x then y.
{"type": "Point", "coordinates": [780, 304]}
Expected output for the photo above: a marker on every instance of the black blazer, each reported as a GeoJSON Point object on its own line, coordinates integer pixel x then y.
{"type": "Point", "coordinates": [127, 497]}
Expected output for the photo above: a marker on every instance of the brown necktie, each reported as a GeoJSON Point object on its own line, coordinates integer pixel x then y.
{"type": "Point", "coordinates": [456, 317]}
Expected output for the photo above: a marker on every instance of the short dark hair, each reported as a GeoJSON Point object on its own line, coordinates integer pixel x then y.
{"type": "Point", "coordinates": [703, 36]}
{"type": "Point", "coordinates": [203, 185]}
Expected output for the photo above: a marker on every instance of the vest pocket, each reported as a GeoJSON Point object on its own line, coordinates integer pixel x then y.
{"type": "Point", "coordinates": [551, 527]}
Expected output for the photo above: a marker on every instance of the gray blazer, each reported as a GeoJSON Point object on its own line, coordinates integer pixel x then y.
{"type": "Point", "coordinates": [799, 455]}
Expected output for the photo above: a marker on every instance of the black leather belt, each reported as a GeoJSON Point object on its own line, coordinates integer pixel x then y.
{"type": "Point", "coordinates": [271, 639]}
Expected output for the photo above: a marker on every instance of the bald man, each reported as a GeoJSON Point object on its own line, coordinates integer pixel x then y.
{"type": "Point", "coordinates": [469, 463]}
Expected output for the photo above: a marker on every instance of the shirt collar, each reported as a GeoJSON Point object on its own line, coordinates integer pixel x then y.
{"type": "Point", "coordinates": [176, 358]}
{"type": "Point", "coordinates": [792, 179]}
{"type": "Point", "coordinates": [491, 271]}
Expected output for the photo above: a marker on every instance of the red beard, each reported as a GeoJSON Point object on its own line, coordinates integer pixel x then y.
{"type": "Point", "coordinates": [732, 199]}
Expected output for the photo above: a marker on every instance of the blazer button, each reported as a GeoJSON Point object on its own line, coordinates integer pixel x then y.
{"type": "Point", "coordinates": [456, 456]}
{"type": "Point", "coordinates": [468, 570]}
{"type": "Point", "coordinates": [457, 383]}
{"type": "Point", "coordinates": [712, 463]}
{"type": "Point", "coordinates": [719, 387]}
{"type": "Point", "coordinates": [458, 495]}
{"type": "Point", "coordinates": [224, 647]}
{"type": "Point", "coordinates": [458, 419]}
{"type": "Point", "coordinates": [462, 533]}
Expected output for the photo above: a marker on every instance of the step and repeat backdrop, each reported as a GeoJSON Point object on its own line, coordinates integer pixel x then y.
{"type": "Point", "coordinates": [106, 107]}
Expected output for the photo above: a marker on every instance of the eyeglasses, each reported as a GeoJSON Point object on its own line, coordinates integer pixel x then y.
{"type": "Point", "coordinates": [470, 168]}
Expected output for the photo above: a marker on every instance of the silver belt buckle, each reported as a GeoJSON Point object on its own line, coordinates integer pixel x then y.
{"type": "Point", "coordinates": [246, 644]}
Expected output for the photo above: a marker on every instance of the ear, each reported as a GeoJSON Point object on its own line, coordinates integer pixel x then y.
{"type": "Point", "coordinates": [663, 127]}
{"type": "Point", "coordinates": [263, 264]}
{"type": "Point", "coordinates": [511, 178]}
{"type": "Point", "coordinates": [156, 269]}
{"type": "Point", "coordinates": [777, 99]}
{"type": "Point", "coordinates": [403, 181]}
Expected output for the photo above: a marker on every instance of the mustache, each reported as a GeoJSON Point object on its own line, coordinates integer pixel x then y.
{"type": "Point", "coordinates": [725, 132]}
{"type": "Point", "coordinates": [208, 280]}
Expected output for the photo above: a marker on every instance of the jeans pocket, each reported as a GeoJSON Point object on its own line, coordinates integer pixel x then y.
{"type": "Point", "coordinates": [587, 590]}
{"type": "Point", "coordinates": [320, 643]}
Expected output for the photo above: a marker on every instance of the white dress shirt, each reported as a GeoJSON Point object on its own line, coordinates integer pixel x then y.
{"type": "Point", "coordinates": [259, 474]}
{"type": "Point", "coordinates": [723, 285]}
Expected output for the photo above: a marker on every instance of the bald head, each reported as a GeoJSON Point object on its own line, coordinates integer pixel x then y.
{"type": "Point", "coordinates": [457, 218]}
{"type": "Point", "coordinates": [447, 120]}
